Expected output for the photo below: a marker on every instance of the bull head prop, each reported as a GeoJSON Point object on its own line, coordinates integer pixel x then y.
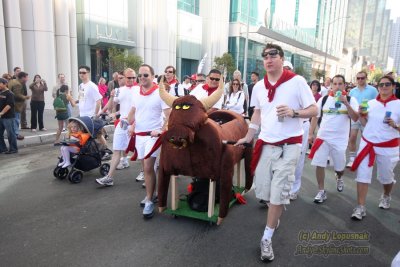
{"type": "Point", "coordinates": [187, 114]}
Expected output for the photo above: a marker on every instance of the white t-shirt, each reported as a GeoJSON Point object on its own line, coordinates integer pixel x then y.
{"type": "Point", "coordinates": [199, 92]}
{"type": "Point", "coordinates": [126, 100]}
{"type": "Point", "coordinates": [186, 85]}
{"type": "Point", "coordinates": [181, 91]}
{"type": "Point", "coordinates": [235, 102]}
{"type": "Point", "coordinates": [149, 109]}
{"type": "Point", "coordinates": [376, 131]}
{"type": "Point", "coordinates": [324, 91]}
{"type": "Point", "coordinates": [335, 123]}
{"type": "Point", "coordinates": [294, 93]}
{"type": "Point", "coordinates": [88, 95]}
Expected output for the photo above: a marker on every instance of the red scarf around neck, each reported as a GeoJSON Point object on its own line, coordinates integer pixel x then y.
{"type": "Point", "coordinates": [149, 92]}
{"type": "Point", "coordinates": [173, 81]}
{"type": "Point", "coordinates": [393, 97]}
{"type": "Point", "coordinates": [209, 89]}
{"type": "Point", "coordinates": [286, 76]}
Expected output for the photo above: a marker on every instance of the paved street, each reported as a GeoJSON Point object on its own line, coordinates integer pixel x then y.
{"type": "Point", "coordinates": [48, 222]}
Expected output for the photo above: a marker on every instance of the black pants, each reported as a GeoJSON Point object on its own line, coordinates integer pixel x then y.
{"type": "Point", "coordinates": [37, 109]}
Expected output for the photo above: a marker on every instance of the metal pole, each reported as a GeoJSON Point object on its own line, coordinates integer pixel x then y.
{"type": "Point", "coordinates": [246, 44]}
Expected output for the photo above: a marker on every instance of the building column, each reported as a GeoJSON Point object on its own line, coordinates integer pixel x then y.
{"type": "Point", "coordinates": [12, 24]}
{"type": "Point", "coordinates": [62, 38]}
{"type": "Point", "coordinates": [73, 49]}
{"type": "Point", "coordinates": [3, 48]}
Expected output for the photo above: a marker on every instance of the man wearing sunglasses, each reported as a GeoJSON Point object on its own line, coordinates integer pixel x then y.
{"type": "Point", "coordinates": [362, 92]}
{"type": "Point", "coordinates": [146, 119]}
{"type": "Point", "coordinates": [281, 100]}
{"type": "Point", "coordinates": [88, 94]}
{"type": "Point", "coordinates": [204, 90]}
{"type": "Point", "coordinates": [176, 89]}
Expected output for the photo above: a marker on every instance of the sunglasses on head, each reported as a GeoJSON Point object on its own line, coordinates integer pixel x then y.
{"type": "Point", "coordinates": [272, 53]}
{"type": "Point", "coordinates": [144, 75]}
{"type": "Point", "coordinates": [215, 79]}
{"type": "Point", "coordinates": [130, 78]}
{"type": "Point", "coordinates": [387, 84]}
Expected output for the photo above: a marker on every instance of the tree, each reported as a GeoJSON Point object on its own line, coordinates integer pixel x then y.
{"type": "Point", "coordinates": [120, 59]}
{"type": "Point", "coordinates": [225, 63]}
{"type": "Point", "coordinates": [375, 75]}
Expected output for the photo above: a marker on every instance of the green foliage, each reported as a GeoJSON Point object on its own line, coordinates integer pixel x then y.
{"type": "Point", "coordinates": [120, 59]}
{"type": "Point", "coordinates": [225, 62]}
{"type": "Point", "coordinates": [375, 75]}
{"type": "Point", "coordinates": [320, 74]}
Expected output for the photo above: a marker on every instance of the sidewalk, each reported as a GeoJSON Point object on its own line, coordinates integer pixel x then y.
{"type": "Point", "coordinates": [49, 136]}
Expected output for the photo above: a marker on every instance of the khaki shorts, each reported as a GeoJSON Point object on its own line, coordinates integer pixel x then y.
{"type": "Point", "coordinates": [384, 166]}
{"type": "Point", "coordinates": [274, 175]}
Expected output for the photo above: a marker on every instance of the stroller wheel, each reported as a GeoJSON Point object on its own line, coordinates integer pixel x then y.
{"type": "Point", "coordinates": [75, 176]}
{"type": "Point", "coordinates": [104, 169]}
{"type": "Point", "coordinates": [60, 173]}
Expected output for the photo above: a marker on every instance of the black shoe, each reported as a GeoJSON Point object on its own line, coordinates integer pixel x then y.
{"type": "Point", "coordinates": [11, 152]}
{"type": "Point", "coordinates": [20, 137]}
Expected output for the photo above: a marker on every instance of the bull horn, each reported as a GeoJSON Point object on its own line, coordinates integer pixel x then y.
{"type": "Point", "coordinates": [165, 96]}
{"type": "Point", "coordinates": [210, 101]}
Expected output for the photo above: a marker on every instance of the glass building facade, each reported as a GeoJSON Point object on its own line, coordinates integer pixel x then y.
{"type": "Point", "coordinates": [191, 6]}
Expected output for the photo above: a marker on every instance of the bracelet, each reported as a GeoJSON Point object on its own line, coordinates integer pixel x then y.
{"type": "Point", "coordinates": [254, 126]}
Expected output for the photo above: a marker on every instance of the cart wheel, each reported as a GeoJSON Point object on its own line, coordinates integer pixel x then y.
{"type": "Point", "coordinates": [60, 173]}
{"type": "Point", "coordinates": [104, 169]}
{"type": "Point", "coordinates": [75, 176]}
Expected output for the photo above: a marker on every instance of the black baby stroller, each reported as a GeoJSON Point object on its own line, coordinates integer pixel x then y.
{"type": "Point", "coordinates": [89, 156]}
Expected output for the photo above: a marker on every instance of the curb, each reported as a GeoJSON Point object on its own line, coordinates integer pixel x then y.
{"type": "Point", "coordinates": [48, 138]}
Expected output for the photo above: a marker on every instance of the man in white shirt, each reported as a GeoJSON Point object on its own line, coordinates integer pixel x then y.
{"type": "Point", "coordinates": [326, 87]}
{"type": "Point", "coordinates": [121, 136]}
{"type": "Point", "coordinates": [147, 124]}
{"type": "Point", "coordinates": [205, 90]}
{"type": "Point", "coordinates": [281, 100]}
{"type": "Point", "coordinates": [333, 134]}
{"type": "Point", "coordinates": [186, 82]}
{"type": "Point", "coordinates": [89, 96]}
{"type": "Point", "coordinates": [176, 89]}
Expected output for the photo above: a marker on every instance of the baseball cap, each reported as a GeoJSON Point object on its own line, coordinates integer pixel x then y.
{"type": "Point", "coordinates": [4, 81]}
{"type": "Point", "coordinates": [193, 77]}
{"type": "Point", "coordinates": [287, 64]}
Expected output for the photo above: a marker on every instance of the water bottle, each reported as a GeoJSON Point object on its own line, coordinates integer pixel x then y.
{"type": "Point", "coordinates": [338, 103]}
{"type": "Point", "coordinates": [387, 116]}
{"type": "Point", "coordinates": [364, 106]}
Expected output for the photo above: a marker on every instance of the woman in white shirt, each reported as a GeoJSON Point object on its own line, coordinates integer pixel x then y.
{"type": "Point", "coordinates": [235, 98]}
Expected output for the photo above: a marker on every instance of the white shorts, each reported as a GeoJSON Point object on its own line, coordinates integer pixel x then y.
{"type": "Point", "coordinates": [338, 157]}
{"type": "Point", "coordinates": [144, 144]}
{"type": "Point", "coordinates": [274, 175]}
{"type": "Point", "coordinates": [384, 165]}
{"type": "Point", "coordinates": [121, 138]}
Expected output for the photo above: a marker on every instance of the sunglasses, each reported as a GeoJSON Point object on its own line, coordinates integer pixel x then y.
{"type": "Point", "coordinates": [235, 84]}
{"type": "Point", "coordinates": [169, 71]}
{"type": "Point", "coordinates": [144, 75]}
{"type": "Point", "coordinates": [130, 78]}
{"type": "Point", "coordinates": [385, 84]}
{"type": "Point", "coordinates": [215, 79]}
{"type": "Point", "coordinates": [360, 78]}
{"type": "Point", "coordinates": [272, 53]}
{"type": "Point", "coordinates": [199, 81]}
{"type": "Point", "coordinates": [82, 72]}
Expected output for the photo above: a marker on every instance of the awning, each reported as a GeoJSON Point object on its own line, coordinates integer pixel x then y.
{"type": "Point", "coordinates": [107, 42]}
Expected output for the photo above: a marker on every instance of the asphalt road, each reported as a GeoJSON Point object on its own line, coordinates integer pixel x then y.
{"type": "Point", "coordinates": [48, 222]}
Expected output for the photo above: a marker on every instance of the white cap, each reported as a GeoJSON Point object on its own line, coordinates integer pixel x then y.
{"type": "Point", "coordinates": [287, 64]}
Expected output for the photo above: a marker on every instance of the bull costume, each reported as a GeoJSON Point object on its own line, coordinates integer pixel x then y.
{"type": "Point", "coordinates": [194, 146]}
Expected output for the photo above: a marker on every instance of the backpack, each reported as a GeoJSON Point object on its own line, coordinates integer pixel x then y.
{"type": "Point", "coordinates": [59, 103]}
{"type": "Point", "coordinates": [323, 103]}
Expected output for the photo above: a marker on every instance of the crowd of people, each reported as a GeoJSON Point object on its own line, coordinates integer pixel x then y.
{"type": "Point", "coordinates": [286, 113]}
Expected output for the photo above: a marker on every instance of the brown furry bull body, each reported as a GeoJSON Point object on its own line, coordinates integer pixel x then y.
{"type": "Point", "coordinates": [193, 146]}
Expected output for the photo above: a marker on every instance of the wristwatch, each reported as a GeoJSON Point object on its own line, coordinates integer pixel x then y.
{"type": "Point", "coordinates": [295, 114]}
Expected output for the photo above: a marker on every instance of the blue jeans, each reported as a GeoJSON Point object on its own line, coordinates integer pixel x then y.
{"type": "Point", "coordinates": [8, 125]}
{"type": "Point", "coordinates": [17, 121]}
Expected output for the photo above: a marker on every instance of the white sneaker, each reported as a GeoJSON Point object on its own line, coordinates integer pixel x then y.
{"type": "Point", "coordinates": [293, 196]}
{"type": "Point", "coordinates": [143, 202]}
{"type": "Point", "coordinates": [106, 181]}
{"type": "Point", "coordinates": [122, 165]}
{"type": "Point", "coordinates": [349, 164]}
{"type": "Point", "coordinates": [385, 202]}
{"type": "Point", "coordinates": [359, 212]}
{"type": "Point", "coordinates": [267, 254]}
{"type": "Point", "coordinates": [148, 210]}
{"type": "Point", "coordinates": [339, 184]}
{"type": "Point", "coordinates": [140, 177]}
{"type": "Point", "coordinates": [320, 197]}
